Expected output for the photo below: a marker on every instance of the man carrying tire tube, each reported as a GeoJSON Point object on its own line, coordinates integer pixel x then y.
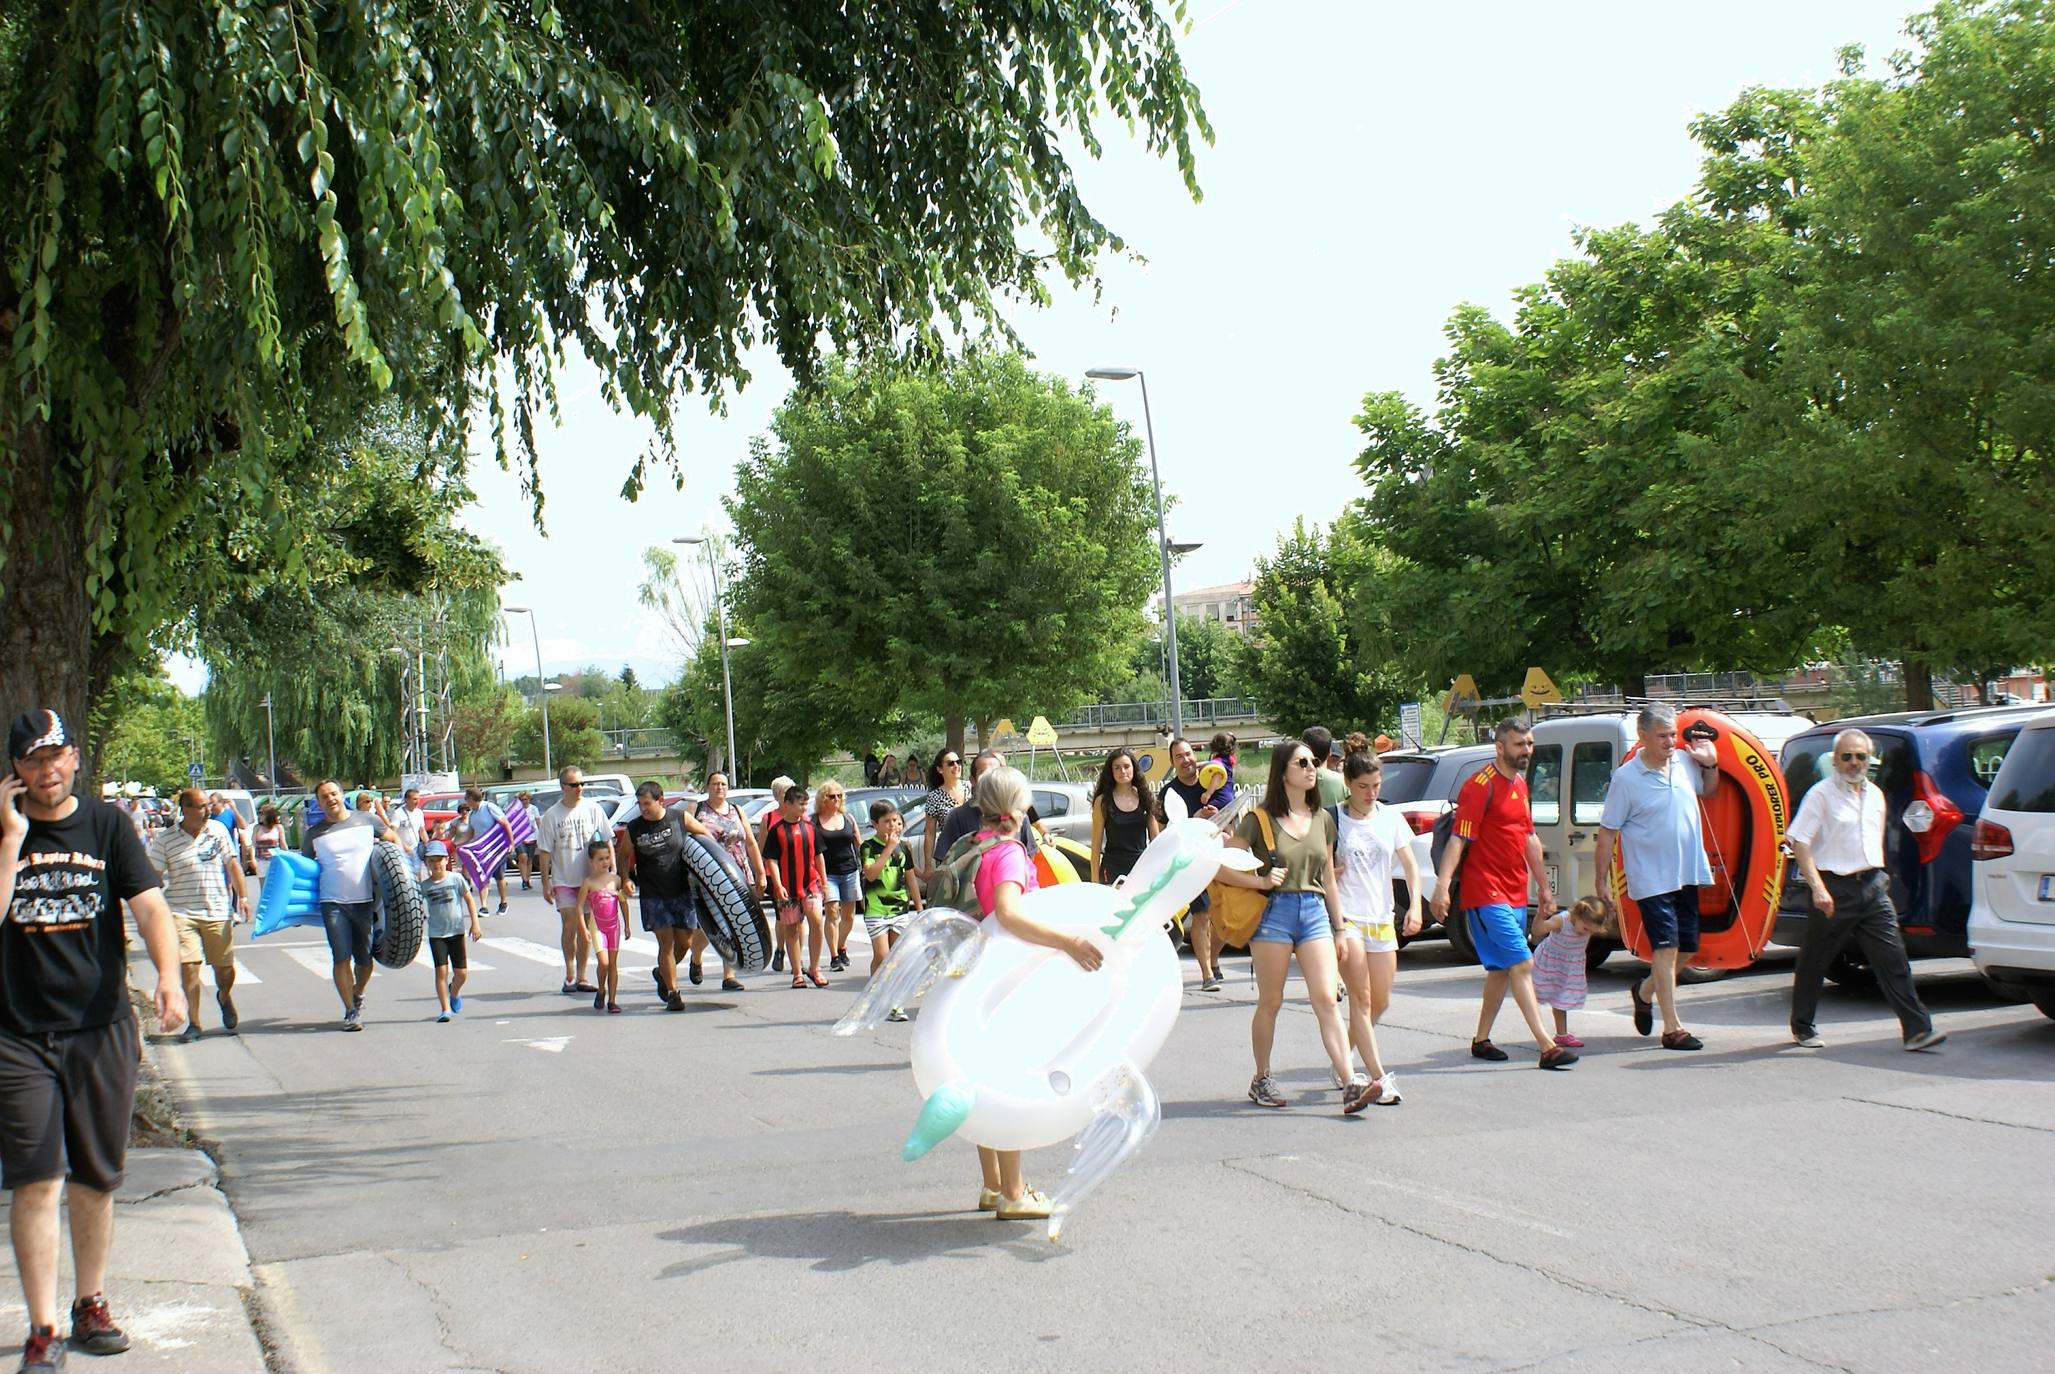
{"type": "Point", "coordinates": [340, 841]}
{"type": "Point", "coordinates": [656, 874]}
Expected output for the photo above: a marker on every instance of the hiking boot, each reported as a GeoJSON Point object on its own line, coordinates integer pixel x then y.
{"type": "Point", "coordinates": [43, 1353]}
{"type": "Point", "coordinates": [93, 1329]}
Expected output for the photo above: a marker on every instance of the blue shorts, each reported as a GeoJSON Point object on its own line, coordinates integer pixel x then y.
{"type": "Point", "coordinates": [1500, 933]}
{"type": "Point", "coordinates": [669, 913]}
{"type": "Point", "coordinates": [845, 887]}
{"type": "Point", "coordinates": [1671, 920]}
{"type": "Point", "coordinates": [349, 930]}
{"type": "Point", "coordinates": [1294, 918]}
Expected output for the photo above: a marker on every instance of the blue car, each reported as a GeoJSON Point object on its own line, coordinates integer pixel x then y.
{"type": "Point", "coordinates": [1934, 768]}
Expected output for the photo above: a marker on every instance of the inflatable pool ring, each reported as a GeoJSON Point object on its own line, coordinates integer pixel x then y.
{"type": "Point", "coordinates": [1019, 1047]}
{"type": "Point", "coordinates": [1212, 777]}
{"type": "Point", "coordinates": [1743, 824]}
{"type": "Point", "coordinates": [483, 858]}
{"type": "Point", "coordinates": [401, 917]}
{"type": "Point", "coordinates": [1053, 865]}
{"type": "Point", "coordinates": [730, 911]}
{"type": "Point", "coordinates": [291, 895]}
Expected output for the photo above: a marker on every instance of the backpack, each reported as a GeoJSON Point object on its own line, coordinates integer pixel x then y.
{"type": "Point", "coordinates": [955, 884]}
{"type": "Point", "coordinates": [1445, 826]}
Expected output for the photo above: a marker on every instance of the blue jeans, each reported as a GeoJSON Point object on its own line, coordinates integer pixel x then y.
{"type": "Point", "coordinates": [349, 930]}
{"type": "Point", "coordinates": [1294, 918]}
{"type": "Point", "coordinates": [845, 887]}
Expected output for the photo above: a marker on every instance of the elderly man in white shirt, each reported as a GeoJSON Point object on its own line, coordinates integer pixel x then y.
{"type": "Point", "coordinates": [1838, 837]}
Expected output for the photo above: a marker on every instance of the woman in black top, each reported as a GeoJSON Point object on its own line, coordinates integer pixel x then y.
{"type": "Point", "coordinates": [838, 840]}
{"type": "Point", "coordinates": [1123, 816]}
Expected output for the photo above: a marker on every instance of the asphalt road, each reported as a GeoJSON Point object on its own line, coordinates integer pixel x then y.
{"type": "Point", "coordinates": [537, 1186]}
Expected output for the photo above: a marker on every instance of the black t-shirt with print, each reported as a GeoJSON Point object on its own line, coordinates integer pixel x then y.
{"type": "Point", "coordinates": [659, 854]}
{"type": "Point", "coordinates": [62, 965]}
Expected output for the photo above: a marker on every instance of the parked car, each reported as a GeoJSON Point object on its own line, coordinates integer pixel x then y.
{"type": "Point", "coordinates": [2012, 863]}
{"type": "Point", "coordinates": [1422, 784]}
{"type": "Point", "coordinates": [1064, 809]}
{"type": "Point", "coordinates": [1935, 769]}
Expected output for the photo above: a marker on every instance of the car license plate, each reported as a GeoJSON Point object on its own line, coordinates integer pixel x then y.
{"type": "Point", "coordinates": [2048, 887]}
{"type": "Point", "coordinates": [1555, 884]}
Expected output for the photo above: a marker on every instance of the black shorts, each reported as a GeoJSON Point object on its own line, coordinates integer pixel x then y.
{"type": "Point", "coordinates": [447, 950]}
{"type": "Point", "coordinates": [1671, 920]}
{"type": "Point", "coordinates": [65, 1099]}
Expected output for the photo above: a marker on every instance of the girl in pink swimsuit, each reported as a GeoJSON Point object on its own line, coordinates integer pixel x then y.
{"type": "Point", "coordinates": [599, 907]}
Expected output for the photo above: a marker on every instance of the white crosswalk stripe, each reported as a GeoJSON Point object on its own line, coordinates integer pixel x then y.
{"type": "Point", "coordinates": [315, 960]}
{"type": "Point", "coordinates": [525, 949]}
{"type": "Point", "coordinates": [242, 974]}
{"type": "Point", "coordinates": [425, 959]}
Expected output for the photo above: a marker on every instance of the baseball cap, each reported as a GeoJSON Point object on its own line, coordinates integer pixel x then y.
{"type": "Point", "coordinates": [435, 849]}
{"type": "Point", "coordinates": [33, 730]}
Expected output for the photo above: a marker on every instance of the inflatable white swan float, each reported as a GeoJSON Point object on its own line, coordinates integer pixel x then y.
{"type": "Point", "coordinates": [1020, 1047]}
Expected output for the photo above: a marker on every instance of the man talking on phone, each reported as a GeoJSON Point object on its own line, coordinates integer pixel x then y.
{"type": "Point", "coordinates": [68, 1042]}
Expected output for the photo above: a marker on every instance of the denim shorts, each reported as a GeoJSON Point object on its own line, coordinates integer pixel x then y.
{"type": "Point", "coordinates": [845, 887]}
{"type": "Point", "coordinates": [1671, 920]}
{"type": "Point", "coordinates": [349, 930]}
{"type": "Point", "coordinates": [1294, 918]}
{"type": "Point", "coordinates": [669, 913]}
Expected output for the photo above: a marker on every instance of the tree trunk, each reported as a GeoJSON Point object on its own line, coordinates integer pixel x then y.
{"type": "Point", "coordinates": [46, 624]}
{"type": "Point", "coordinates": [952, 730]}
{"type": "Point", "coordinates": [1636, 687]}
{"type": "Point", "coordinates": [984, 733]}
{"type": "Point", "coordinates": [1919, 686]}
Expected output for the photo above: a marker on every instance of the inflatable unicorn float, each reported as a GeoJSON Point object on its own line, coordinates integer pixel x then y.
{"type": "Point", "coordinates": [1018, 1047]}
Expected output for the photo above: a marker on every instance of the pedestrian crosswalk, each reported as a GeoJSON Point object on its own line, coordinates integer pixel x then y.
{"type": "Point", "coordinates": [242, 974]}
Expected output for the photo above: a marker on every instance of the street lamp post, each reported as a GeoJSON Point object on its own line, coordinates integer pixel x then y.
{"type": "Point", "coordinates": [721, 615]}
{"type": "Point", "coordinates": [271, 744]}
{"type": "Point", "coordinates": [1123, 374]}
{"type": "Point", "coordinates": [548, 766]}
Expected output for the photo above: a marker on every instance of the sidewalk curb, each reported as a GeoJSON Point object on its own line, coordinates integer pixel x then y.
{"type": "Point", "coordinates": [179, 1277]}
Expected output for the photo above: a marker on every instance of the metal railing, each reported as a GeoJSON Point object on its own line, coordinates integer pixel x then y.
{"type": "Point", "coordinates": [642, 743]}
{"type": "Point", "coordinates": [1206, 711]}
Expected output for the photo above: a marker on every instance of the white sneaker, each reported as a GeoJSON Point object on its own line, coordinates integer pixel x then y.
{"type": "Point", "coordinates": [1385, 1091]}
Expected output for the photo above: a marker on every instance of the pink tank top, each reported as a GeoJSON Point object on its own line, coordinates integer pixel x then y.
{"type": "Point", "coordinates": [605, 905]}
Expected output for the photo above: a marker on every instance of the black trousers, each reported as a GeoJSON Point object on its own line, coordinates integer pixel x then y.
{"type": "Point", "coordinates": [1862, 912]}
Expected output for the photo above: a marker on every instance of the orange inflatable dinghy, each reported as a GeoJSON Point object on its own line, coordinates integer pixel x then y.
{"type": "Point", "coordinates": [1743, 824]}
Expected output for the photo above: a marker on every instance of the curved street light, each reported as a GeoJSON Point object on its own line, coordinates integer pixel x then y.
{"type": "Point", "coordinates": [542, 689]}
{"type": "Point", "coordinates": [1163, 547]}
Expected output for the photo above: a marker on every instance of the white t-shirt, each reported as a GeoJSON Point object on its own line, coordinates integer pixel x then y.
{"type": "Point", "coordinates": [1368, 848]}
{"type": "Point", "coordinates": [563, 835]}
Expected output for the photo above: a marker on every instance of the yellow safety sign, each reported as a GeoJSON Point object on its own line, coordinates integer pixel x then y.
{"type": "Point", "coordinates": [1041, 733]}
{"type": "Point", "coordinates": [1462, 696]}
{"type": "Point", "coordinates": [1538, 689]}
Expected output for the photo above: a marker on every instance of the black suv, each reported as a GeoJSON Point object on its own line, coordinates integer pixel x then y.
{"type": "Point", "coordinates": [1934, 768]}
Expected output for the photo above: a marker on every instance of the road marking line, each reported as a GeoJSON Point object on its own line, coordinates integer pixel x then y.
{"type": "Point", "coordinates": [242, 974]}
{"type": "Point", "coordinates": [525, 949]}
{"type": "Point", "coordinates": [315, 960]}
{"type": "Point", "coordinates": [553, 1044]}
{"type": "Point", "coordinates": [426, 960]}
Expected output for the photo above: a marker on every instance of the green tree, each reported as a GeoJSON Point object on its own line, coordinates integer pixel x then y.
{"type": "Point", "coordinates": [574, 736]}
{"type": "Point", "coordinates": [150, 730]}
{"type": "Point", "coordinates": [969, 544]}
{"type": "Point", "coordinates": [1207, 658]}
{"type": "Point", "coordinates": [231, 218]}
{"type": "Point", "coordinates": [1315, 659]}
{"type": "Point", "coordinates": [483, 729]}
{"type": "Point", "coordinates": [1924, 452]}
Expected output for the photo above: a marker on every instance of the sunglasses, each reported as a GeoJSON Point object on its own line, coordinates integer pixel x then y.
{"type": "Point", "coordinates": [1852, 758]}
{"type": "Point", "coordinates": [1302, 761]}
{"type": "Point", "coordinates": [573, 786]}
{"type": "Point", "coordinates": [952, 763]}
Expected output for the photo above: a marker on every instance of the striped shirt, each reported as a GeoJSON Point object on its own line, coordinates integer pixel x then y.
{"type": "Point", "coordinates": [195, 884]}
{"type": "Point", "coordinates": [794, 846]}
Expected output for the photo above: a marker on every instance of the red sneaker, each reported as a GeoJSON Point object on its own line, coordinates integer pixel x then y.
{"type": "Point", "coordinates": [43, 1353]}
{"type": "Point", "coordinates": [93, 1329]}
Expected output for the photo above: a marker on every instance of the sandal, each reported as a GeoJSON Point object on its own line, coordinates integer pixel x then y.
{"type": "Point", "coordinates": [815, 975]}
{"type": "Point", "coordinates": [798, 980]}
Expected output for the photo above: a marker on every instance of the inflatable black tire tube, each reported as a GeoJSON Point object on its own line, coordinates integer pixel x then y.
{"type": "Point", "coordinates": [729, 911]}
{"type": "Point", "coordinates": [402, 915]}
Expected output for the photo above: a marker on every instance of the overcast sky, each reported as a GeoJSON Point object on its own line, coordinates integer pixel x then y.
{"type": "Point", "coordinates": [1375, 165]}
